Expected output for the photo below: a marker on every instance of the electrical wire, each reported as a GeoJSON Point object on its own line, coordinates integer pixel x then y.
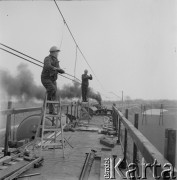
{"type": "Point", "coordinates": [76, 43]}
{"type": "Point", "coordinates": [29, 57]}
{"type": "Point", "coordinates": [31, 62]}
{"type": "Point", "coordinates": [77, 48]}
{"type": "Point", "coordinates": [73, 76]}
{"type": "Point", "coordinates": [20, 57]}
{"type": "Point", "coordinates": [75, 63]}
{"type": "Point", "coordinates": [21, 53]}
{"type": "Point", "coordinates": [61, 42]}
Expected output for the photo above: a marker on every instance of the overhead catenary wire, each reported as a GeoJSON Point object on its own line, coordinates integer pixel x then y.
{"type": "Point", "coordinates": [78, 49]}
{"type": "Point", "coordinates": [61, 42]}
{"type": "Point", "coordinates": [73, 76]}
{"type": "Point", "coordinates": [29, 57]}
{"type": "Point", "coordinates": [31, 61]}
{"type": "Point", "coordinates": [20, 53]}
{"type": "Point", "coordinates": [75, 63]}
{"type": "Point", "coordinates": [77, 43]}
{"type": "Point", "coordinates": [20, 57]}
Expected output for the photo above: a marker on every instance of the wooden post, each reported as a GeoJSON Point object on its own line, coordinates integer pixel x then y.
{"type": "Point", "coordinates": [170, 146]}
{"type": "Point", "coordinates": [67, 114]}
{"type": "Point", "coordinates": [88, 108]}
{"type": "Point", "coordinates": [134, 145]}
{"type": "Point", "coordinates": [161, 115]}
{"type": "Point", "coordinates": [113, 117]}
{"type": "Point", "coordinates": [71, 109]}
{"type": "Point", "coordinates": [119, 129]}
{"type": "Point", "coordinates": [8, 130]}
{"type": "Point", "coordinates": [116, 115]}
{"type": "Point", "coordinates": [77, 110]}
{"type": "Point", "coordinates": [144, 115]}
{"type": "Point", "coordinates": [124, 164]}
{"type": "Point", "coordinates": [74, 110]}
{"type": "Point", "coordinates": [88, 112]}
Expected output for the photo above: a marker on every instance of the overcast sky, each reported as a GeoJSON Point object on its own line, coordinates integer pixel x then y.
{"type": "Point", "coordinates": [131, 45]}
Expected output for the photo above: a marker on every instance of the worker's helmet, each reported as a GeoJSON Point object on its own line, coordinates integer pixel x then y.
{"type": "Point", "coordinates": [85, 71]}
{"type": "Point", "coordinates": [54, 49]}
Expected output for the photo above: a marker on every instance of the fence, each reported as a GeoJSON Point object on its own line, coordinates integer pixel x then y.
{"type": "Point", "coordinates": [71, 109]}
{"type": "Point", "coordinates": [140, 143]}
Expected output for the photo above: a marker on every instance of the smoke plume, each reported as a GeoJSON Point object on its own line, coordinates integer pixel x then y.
{"type": "Point", "coordinates": [95, 96]}
{"type": "Point", "coordinates": [70, 91]}
{"type": "Point", "coordinates": [23, 87]}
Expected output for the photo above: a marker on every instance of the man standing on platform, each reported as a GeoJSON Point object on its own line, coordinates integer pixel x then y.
{"type": "Point", "coordinates": [85, 84]}
{"type": "Point", "coordinates": [49, 75]}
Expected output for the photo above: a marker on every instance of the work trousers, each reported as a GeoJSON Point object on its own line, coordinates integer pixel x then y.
{"type": "Point", "coordinates": [84, 93]}
{"type": "Point", "coordinates": [51, 88]}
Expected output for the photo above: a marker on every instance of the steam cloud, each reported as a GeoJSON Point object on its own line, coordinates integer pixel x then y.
{"type": "Point", "coordinates": [95, 96]}
{"type": "Point", "coordinates": [23, 87]}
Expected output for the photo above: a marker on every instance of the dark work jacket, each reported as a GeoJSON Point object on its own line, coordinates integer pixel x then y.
{"type": "Point", "coordinates": [85, 79]}
{"type": "Point", "coordinates": [48, 71]}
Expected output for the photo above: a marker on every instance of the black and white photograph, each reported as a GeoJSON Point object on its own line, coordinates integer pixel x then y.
{"type": "Point", "coordinates": [88, 89]}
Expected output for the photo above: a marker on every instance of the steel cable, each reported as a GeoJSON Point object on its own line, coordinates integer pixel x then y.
{"type": "Point", "coordinates": [31, 58]}
{"type": "Point", "coordinates": [33, 62]}
{"type": "Point", "coordinates": [77, 43]}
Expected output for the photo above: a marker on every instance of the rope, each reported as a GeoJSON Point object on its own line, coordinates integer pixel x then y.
{"type": "Point", "coordinates": [20, 53]}
{"type": "Point", "coordinates": [32, 62]}
{"type": "Point", "coordinates": [14, 129]}
{"type": "Point", "coordinates": [75, 64]}
{"type": "Point", "coordinates": [76, 43]}
{"type": "Point", "coordinates": [73, 76]}
{"type": "Point", "coordinates": [21, 57]}
{"type": "Point", "coordinates": [28, 57]}
{"type": "Point", "coordinates": [62, 35]}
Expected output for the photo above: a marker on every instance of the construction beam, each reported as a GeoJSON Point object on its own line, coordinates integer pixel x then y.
{"type": "Point", "coordinates": [23, 169]}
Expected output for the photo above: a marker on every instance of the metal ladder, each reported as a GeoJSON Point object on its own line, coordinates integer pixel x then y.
{"type": "Point", "coordinates": [56, 128]}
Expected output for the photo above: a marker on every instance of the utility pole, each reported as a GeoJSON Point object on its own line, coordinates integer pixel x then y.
{"type": "Point", "coordinates": [122, 100]}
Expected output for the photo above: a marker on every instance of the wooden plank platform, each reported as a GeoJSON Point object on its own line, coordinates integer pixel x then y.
{"type": "Point", "coordinates": [55, 167]}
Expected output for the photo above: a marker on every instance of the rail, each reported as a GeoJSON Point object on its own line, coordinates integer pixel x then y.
{"type": "Point", "coordinates": [71, 109]}
{"type": "Point", "coordinates": [20, 110]}
{"type": "Point", "coordinates": [32, 109]}
{"type": "Point", "coordinates": [148, 151]}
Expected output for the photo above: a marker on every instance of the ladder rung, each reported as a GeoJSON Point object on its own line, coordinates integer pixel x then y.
{"type": "Point", "coordinates": [18, 159]}
{"type": "Point", "coordinates": [48, 139]}
{"type": "Point", "coordinates": [47, 127]}
{"type": "Point", "coordinates": [52, 115]}
{"type": "Point", "coordinates": [38, 138]}
{"type": "Point", "coordinates": [9, 163]}
{"type": "Point", "coordinates": [84, 102]}
{"type": "Point", "coordinates": [3, 167]}
{"type": "Point", "coordinates": [53, 102]}
{"type": "Point", "coordinates": [51, 144]}
{"type": "Point", "coordinates": [54, 129]}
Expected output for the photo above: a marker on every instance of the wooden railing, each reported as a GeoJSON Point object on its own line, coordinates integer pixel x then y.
{"type": "Point", "coordinates": [70, 108]}
{"type": "Point", "coordinates": [12, 111]}
{"type": "Point", "coordinates": [20, 110]}
{"type": "Point", "coordinates": [148, 151]}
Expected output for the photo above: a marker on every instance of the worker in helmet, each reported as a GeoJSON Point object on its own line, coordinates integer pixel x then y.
{"type": "Point", "coordinates": [49, 75]}
{"type": "Point", "coordinates": [85, 84]}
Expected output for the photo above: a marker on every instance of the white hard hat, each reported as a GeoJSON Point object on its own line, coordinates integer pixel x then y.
{"type": "Point", "coordinates": [54, 48]}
